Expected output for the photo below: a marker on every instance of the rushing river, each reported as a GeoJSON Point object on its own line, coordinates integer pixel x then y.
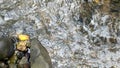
{"type": "Point", "coordinates": [75, 35]}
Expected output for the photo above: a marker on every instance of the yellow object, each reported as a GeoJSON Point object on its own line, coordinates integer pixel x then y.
{"type": "Point", "coordinates": [22, 45]}
{"type": "Point", "coordinates": [97, 1]}
{"type": "Point", "coordinates": [23, 37]}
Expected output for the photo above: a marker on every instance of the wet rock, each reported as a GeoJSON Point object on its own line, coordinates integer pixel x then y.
{"type": "Point", "coordinates": [6, 48]}
{"type": "Point", "coordinates": [86, 12]}
{"type": "Point", "coordinates": [115, 6]}
{"type": "Point", "coordinates": [1, 20]}
{"type": "Point", "coordinates": [113, 67]}
{"type": "Point", "coordinates": [113, 40]}
{"type": "Point", "coordinates": [113, 49]}
{"type": "Point", "coordinates": [39, 56]}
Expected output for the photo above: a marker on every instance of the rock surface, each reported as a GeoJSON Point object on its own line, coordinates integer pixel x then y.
{"type": "Point", "coordinates": [39, 56]}
{"type": "Point", "coordinates": [6, 48]}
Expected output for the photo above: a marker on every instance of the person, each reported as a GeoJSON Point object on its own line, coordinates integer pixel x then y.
{"type": "Point", "coordinates": [22, 51]}
{"type": "Point", "coordinates": [16, 51]}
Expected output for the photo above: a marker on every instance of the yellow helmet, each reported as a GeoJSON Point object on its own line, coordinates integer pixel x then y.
{"type": "Point", "coordinates": [97, 1]}
{"type": "Point", "coordinates": [23, 37]}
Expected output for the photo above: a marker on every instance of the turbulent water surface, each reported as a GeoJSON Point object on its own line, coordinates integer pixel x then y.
{"type": "Point", "coordinates": [75, 33]}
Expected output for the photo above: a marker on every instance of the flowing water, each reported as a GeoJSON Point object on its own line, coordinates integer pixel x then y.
{"type": "Point", "coordinates": [75, 33]}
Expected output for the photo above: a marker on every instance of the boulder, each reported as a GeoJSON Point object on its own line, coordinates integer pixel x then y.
{"type": "Point", "coordinates": [6, 48]}
{"type": "Point", "coordinates": [39, 55]}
